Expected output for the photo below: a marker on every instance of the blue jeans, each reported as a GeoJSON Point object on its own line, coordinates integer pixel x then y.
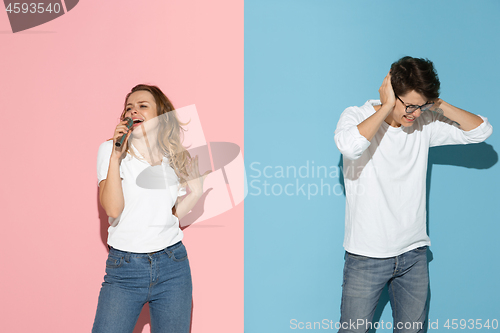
{"type": "Point", "coordinates": [407, 278]}
{"type": "Point", "coordinates": [162, 279]}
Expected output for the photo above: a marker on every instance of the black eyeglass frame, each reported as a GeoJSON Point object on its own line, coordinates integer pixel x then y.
{"type": "Point", "coordinates": [423, 107]}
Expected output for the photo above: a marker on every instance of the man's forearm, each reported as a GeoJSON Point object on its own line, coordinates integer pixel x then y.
{"type": "Point", "coordinates": [370, 125]}
{"type": "Point", "coordinates": [467, 121]}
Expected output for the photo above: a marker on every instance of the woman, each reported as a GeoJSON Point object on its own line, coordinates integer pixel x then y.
{"type": "Point", "coordinates": [139, 187]}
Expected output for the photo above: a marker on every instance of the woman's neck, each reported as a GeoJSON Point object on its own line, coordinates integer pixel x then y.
{"type": "Point", "coordinates": [148, 148]}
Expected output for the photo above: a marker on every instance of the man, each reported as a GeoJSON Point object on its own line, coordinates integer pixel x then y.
{"type": "Point", "coordinates": [385, 145]}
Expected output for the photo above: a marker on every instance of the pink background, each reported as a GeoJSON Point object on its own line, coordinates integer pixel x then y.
{"type": "Point", "coordinates": [62, 88]}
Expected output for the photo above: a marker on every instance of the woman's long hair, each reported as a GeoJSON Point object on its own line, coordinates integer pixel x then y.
{"type": "Point", "coordinates": [170, 131]}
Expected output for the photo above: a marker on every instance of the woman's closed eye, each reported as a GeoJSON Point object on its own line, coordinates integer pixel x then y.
{"type": "Point", "coordinates": [141, 106]}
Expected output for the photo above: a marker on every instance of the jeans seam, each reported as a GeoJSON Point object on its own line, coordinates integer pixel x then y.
{"type": "Point", "coordinates": [395, 315]}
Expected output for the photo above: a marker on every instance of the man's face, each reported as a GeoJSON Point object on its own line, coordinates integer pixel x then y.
{"type": "Point", "coordinates": [399, 116]}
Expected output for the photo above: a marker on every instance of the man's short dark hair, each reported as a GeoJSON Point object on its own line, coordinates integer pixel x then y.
{"type": "Point", "coordinates": [417, 74]}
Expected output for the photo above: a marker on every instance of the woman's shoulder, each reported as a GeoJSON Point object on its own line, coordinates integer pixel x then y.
{"type": "Point", "coordinates": [106, 144]}
{"type": "Point", "coordinates": [106, 147]}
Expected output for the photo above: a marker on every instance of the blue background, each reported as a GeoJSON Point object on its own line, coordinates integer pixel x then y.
{"type": "Point", "coordinates": [305, 62]}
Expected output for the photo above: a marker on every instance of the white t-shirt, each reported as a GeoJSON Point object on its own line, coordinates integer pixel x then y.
{"type": "Point", "coordinates": [146, 223]}
{"type": "Point", "coordinates": [385, 179]}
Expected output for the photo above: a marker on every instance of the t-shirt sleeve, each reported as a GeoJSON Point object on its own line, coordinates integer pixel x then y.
{"type": "Point", "coordinates": [347, 137]}
{"type": "Point", "coordinates": [446, 132]}
{"type": "Point", "coordinates": [103, 155]}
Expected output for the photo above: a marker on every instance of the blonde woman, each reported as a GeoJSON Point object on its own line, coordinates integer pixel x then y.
{"type": "Point", "coordinates": [139, 188]}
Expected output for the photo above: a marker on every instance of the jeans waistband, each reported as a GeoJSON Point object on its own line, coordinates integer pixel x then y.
{"type": "Point", "coordinates": [145, 254]}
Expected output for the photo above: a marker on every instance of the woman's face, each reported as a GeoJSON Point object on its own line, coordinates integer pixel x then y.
{"type": "Point", "coordinates": [141, 107]}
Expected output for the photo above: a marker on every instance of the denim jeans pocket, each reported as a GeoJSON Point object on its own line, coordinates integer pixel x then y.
{"type": "Point", "coordinates": [114, 262]}
{"type": "Point", "coordinates": [356, 256]}
{"type": "Point", "coordinates": [179, 253]}
{"type": "Point", "coordinates": [421, 249]}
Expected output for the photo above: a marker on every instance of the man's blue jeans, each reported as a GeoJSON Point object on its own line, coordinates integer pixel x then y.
{"type": "Point", "coordinates": [162, 279]}
{"type": "Point", "coordinates": [407, 278]}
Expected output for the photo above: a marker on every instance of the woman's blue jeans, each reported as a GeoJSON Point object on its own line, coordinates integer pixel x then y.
{"type": "Point", "coordinates": [407, 278]}
{"type": "Point", "coordinates": [162, 279]}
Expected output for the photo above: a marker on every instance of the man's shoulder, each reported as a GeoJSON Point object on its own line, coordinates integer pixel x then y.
{"type": "Point", "coordinates": [363, 111]}
{"type": "Point", "coordinates": [425, 119]}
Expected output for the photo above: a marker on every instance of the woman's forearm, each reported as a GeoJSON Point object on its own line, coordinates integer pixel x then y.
{"type": "Point", "coordinates": [111, 192]}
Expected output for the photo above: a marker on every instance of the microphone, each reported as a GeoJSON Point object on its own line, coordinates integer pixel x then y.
{"type": "Point", "coordinates": [120, 140]}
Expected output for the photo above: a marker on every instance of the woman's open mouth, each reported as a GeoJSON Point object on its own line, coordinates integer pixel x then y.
{"type": "Point", "coordinates": [137, 122]}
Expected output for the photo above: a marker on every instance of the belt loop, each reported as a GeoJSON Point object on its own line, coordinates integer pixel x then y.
{"type": "Point", "coordinates": [127, 257]}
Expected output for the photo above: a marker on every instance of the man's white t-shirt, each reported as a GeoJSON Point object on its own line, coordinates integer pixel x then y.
{"type": "Point", "coordinates": [385, 179]}
{"type": "Point", "coordinates": [146, 223]}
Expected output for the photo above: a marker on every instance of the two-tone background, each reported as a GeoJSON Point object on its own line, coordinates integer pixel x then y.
{"type": "Point", "coordinates": [273, 77]}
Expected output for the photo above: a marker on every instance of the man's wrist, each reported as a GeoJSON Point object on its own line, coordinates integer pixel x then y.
{"type": "Point", "coordinates": [385, 108]}
{"type": "Point", "coordinates": [437, 107]}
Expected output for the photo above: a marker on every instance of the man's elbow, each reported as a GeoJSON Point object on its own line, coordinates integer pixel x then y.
{"type": "Point", "coordinates": [348, 149]}
{"type": "Point", "coordinates": [349, 154]}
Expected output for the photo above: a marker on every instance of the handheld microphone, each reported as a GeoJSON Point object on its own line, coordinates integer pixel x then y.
{"type": "Point", "coordinates": [120, 140]}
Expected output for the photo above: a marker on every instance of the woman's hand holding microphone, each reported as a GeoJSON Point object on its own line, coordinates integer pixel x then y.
{"type": "Point", "coordinates": [120, 138]}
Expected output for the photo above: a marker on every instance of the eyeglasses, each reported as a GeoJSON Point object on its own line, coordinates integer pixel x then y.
{"type": "Point", "coordinates": [413, 108]}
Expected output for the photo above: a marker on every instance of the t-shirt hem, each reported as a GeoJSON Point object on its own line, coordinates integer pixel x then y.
{"type": "Point", "coordinates": [142, 250]}
{"type": "Point", "coordinates": [386, 255]}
